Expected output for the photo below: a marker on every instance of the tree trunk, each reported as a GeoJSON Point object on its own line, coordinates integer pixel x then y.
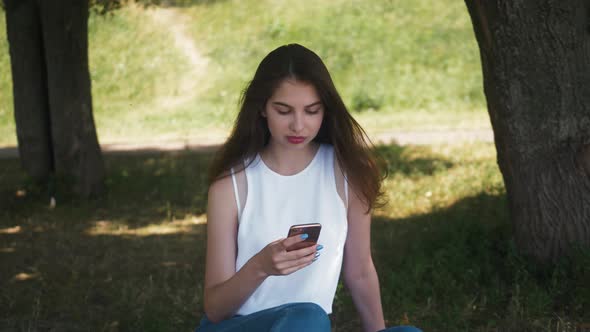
{"type": "Point", "coordinates": [53, 102]}
{"type": "Point", "coordinates": [535, 57]}
{"type": "Point", "coordinates": [31, 109]}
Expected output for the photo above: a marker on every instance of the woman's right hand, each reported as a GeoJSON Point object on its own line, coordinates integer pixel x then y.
{"type": "Point", "coordinates": [274, 259]}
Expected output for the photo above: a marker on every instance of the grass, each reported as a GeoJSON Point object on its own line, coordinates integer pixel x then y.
{"type": "Point", "coordinates": [133, 67]}
{"type": "Point", "coordinates": [399, 64]}
{"type": "Point", "coordinates": [7, 127]}
{"type": "Point", "coordinates": [134, 259]}
{"type": "Point", "coordinates": [131, 261]}
{"type": "Point", "coordinates": [413, 58]}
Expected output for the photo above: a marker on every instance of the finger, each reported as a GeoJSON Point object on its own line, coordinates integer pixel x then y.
{"type": "Point", "coordinates": [288, 264]}
{"type": "Point", "coordinates": [276, 245]}
{"type": "Point", "coordinates": [294, 239]}
{"type": "Point", "coordinates": [276, 241]}
{"type": "Point", "coordinates": [282, 260]}
{"type": "Point", "coordinates": [298, 267]}
{"type": "Point", "coordinates": [295, 254]}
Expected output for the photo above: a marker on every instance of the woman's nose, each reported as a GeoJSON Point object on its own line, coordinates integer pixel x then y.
{"type": "Point", "coordinates": [297, 122]}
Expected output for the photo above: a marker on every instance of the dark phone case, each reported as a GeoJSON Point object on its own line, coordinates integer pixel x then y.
{"type": "Point", "coordinates": [313, 232]}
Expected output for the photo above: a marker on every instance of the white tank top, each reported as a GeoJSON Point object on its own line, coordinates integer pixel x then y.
{"type": "Point", "coordinates": [274, 203]}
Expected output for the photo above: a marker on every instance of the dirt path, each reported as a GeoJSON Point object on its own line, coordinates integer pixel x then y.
{"type": "Point", "coordinates": [176, 23]}
{"type": "Point", "coordinates": [402, 138]}
{"type": "Point", "coordinates": [436, 137]}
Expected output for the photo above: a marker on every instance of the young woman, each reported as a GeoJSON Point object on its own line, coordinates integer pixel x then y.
{"type": "Point", "coordinates": [295, 156]}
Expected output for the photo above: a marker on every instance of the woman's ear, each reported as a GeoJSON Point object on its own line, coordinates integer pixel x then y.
{"type": "Point", "coordinates": [263, 113]}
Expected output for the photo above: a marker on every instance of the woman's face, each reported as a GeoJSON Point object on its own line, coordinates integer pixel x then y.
{"type": "Point", "coordinates": [294, 114]}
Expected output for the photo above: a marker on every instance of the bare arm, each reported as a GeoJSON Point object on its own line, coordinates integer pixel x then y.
{"type": "Point", "coordinates": [225, 289]}
{"type": "Point", "coordinates": [360, 275]}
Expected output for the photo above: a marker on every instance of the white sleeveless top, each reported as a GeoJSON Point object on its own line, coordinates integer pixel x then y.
{"type": "Point", "coordinates": [274, 203]}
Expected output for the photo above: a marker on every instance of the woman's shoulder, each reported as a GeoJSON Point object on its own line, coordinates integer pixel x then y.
{"type": "Point", "coordinates": [225, 182]}
{"type": "Point", "coordinates": [221, 185]}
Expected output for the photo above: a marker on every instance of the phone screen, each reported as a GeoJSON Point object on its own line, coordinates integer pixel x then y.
{"type": "Point", "coordinates": [312, 230]}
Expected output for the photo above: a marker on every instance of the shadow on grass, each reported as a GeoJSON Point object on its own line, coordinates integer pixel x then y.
{"type": "Point", "coordinates": [430, 266]}
{"type": "Point", "coordinates": [134, 260]}
{"type": "Point", "coordinates": [457, 269]}
{"type": "Point", "coordinates": [402, 159]}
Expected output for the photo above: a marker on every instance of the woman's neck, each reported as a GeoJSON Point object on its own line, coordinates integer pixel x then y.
{"type": "Point", "coordinates": [288, 161]}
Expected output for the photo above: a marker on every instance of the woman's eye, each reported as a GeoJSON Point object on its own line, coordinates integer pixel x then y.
{"type": "Point", "coordinates": [283, 112]}
{"type": "Point", "coordinates": [315, 111]}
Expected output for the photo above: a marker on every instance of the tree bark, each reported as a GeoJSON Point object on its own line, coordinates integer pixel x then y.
{"type": "Point", "coordinates": [535, 57]}
{"type": "Point", "coordinates": [31, 109]}
{"type": "Point", "coordinates": [53, 102]}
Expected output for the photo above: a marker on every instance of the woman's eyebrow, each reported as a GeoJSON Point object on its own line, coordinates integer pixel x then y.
{"type": "Point", "coordinates": [313, 104]}
{"type": "Point", "coordinates": [289, 106]}
{"type": "Point", "coordinates": [281, 104]}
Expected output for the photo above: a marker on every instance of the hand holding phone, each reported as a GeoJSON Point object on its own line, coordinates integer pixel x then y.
{"type": "Point", "coordinates": [285, 256]}
{"type": "Point", "coordinates": [313, 233]}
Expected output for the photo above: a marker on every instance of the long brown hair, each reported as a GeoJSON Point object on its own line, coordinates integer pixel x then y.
{"type": "Point", "coordinates": [250, 134]}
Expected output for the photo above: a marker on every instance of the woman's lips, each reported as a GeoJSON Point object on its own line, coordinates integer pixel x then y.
{"type": "Point", "coordinates": [295, 139]}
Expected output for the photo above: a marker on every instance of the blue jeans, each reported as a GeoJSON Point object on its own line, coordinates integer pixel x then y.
{"type": "Point", "coordinates": [289, 317]}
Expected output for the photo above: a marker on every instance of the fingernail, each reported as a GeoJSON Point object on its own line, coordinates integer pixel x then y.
{"type": "Point", "coordinates": [304, 236]}
{"type": "Point", "coordinates": [319, 247]}
{"type": "Point", "coordinates": [317, 254]}
{"type": "Point", "coordinates": [315, 259]}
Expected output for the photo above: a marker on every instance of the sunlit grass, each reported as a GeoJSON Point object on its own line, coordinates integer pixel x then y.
{"type": "Point", "coordinates": [399, 65]}
{"type": "Point", "coordinates": [435, 179]}
{"type": "Point", "coordinates": [134, 67]}
{"type": "Point", "coordinates": [7, 127]}
{"type": "Point", "coordinates": [104, 227]}
{"type": "Point", "coordinates": [10, 230]}
{"type": "Point", "coordinates": [25, 276]}
{"type": "Point", "coordinates": [388, 120]}
{"type": "Point", "coordinates": [397, 57]}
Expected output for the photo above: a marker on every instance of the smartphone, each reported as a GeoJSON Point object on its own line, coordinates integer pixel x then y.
{"type": "Point", "coordinates": [312, 230]}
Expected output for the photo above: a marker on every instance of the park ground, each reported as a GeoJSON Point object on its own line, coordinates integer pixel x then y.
{"type": "Point", "coordinates": [166, 83]}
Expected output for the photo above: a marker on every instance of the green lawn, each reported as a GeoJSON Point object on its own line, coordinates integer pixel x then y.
{"type": "Point", "coordinates": [134, 259]}
{"type": "Point", "coordinates": [399, 65]}
{"type": "Point", "coordinates": [7, 128]}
